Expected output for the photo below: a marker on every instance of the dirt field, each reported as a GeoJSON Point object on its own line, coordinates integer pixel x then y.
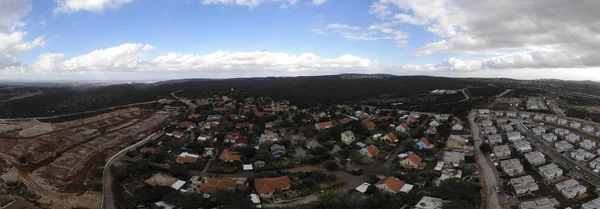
{"type": "Point", "coordinates": [56, 160]}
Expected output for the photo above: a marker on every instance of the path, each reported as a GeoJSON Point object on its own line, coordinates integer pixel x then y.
{"type": "Point", "coordinates": [298, 201]}
{"type": "Point", "coordinates": [504, 93]}
{"type": "Point", "coordinates": [186, 101]}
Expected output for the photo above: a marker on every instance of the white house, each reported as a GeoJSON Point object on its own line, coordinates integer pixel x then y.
{"type": "Point", "coordinates": [501, 151]}
{"type": "Point", "coordinates": [522, 146]}
{"type": "Point", "coordinates": [204, 137]}
{"type": "Point", "coordinates": [402, 127]}
{"type": "Point", "coordinates": [514, 136]}
{"type": "Point", "coordinates": [561, 131]}
{"type": "Point", "coordinates": [348, 137]}
{"type": "Point", "coordinates": [512, 167]}
{"type": "Point", "coordinates": [490, 130]}
{"type": "Point", "coordinates": [562, 121]}
{"type": "Point", "coordinates": [594, 204]}
{"type": "Point", "coordinates": [572, 137]}
{"type": "Point", "coordinates": [268, 136]}
{"type": "Point", "coordinates": [525, 115]}
{"type": "Point", "coordinates": [575, 125]}
{"type": "Point", "coordinates": [434, 123]}
{"type": "Point", "coordinates": [551, 119]}
{"type": "Point", "coordinates": [595, 164]}
{"type": "Point", "coordinates": [541, 203]}
{"type": "Point", "coordinates": [588, 129]}
{"type": "Point", "coordinates": [454, 159]}
{"type": "Point", "coordinates": [486, 123]}
{"type": "Point", "coordinates": [597, 133]}
{"type": "Point", "coordinates": [563, 146]}
{"type": "Point", "coordinates": [457, 126]}
{"type": "Point", "coordinates": [494, 139]}
{"type": "Point", "coordinates": [550, 171]}
{"type": "Point", "coordinates": [535, 158]}
{"type": "Point", "coordinates": [549, 137]}
{"type": "Point", "coordinates": [499, 113]}
{"type": "Point", "coordinates": [570, 188]}
{"type": "Point", "coordinates": [587, 144]}
{"type": "Point", "coordinates": [442, 117]}
{"type": "Point", "coordinates": [524, 184]}
{"type": "Point", "coordinates": [430, 203]}
{"type": "Point", "coordinates": [483, 111]}
{"type": "Point", "coordinates": [539, 130]}
{"type": "Point", "coordinates": [581, 155]}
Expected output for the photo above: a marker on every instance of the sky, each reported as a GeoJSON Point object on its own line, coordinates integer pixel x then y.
{"type": "Point", "coordinates": [43, 40]}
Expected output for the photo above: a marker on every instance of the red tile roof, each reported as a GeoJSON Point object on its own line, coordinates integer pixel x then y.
{"type": "Point", "coordinates": [183, 160]}
{"type": "Point", "coordinates": [415, 159]}
{"type": "Point", "coordinates": [193, 116]}
{"type": "Point", "coordinates": [219, 109]}
{"type": "Point", "coordinates": [226, 155]}
{"type": "Point", "coordinates": [392, 136]}
{"type": "Point", "coordinates": [185, 124]}
{"type": "Point", "coordinates": [216, 184]}
{"type": "Point", "coordinates": [260, 114]}
{"type": "Point", "coordinates": [393, 183]}
{"type": "Point", "coordinates": [425, 141]}
{"type": "Point", "coordinates": [241, 141]}
{"type": "Point", "coordinates": [404, 126]}
{"type": "Point", "coordinates": [271, 185]}
{"type": "Point", "coordinates": [369, 124]}
{"type": "Point", "coordinates": [347, 120]}
{"type": "Point", "coordinates": [177, 133]}
{"type": "Point", "coordinates": [325, 125]}
{"type": "Point", "coordinates": [373, 150]}
{"type": "Point", "coordinates": [148, 149]}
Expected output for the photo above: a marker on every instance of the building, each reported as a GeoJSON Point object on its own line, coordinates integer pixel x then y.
{"type": "Point", "coordinates": [550, 137]}
{"type": "Point", "coordinates": [542, 203]}
{"type": "Point", "coordinates": [161, 179]}
{"type": "Point", "coordinates": [507, 127]}
{"type": "Point", "coordinates": [512, 167]}
{"type": "Point", "coordinates": [370, 151]}
{"type": "Point", "coordinates": [393, 185]}
{"type": "Point", "coordinates": [453, 158]}
{"type": "Point", "coordinates": [588, 129]}
{"type": "Point", "coordinates": [514, 136]}
{"type": "Point", "coordinates": [511, 114]}
{"type": "Point", "coordinates": [449, 174]}
{"type": "Point", "coordinates": [277, 149]}
{"type": "Point", "coordinates": [268, 136]}
{"type": "Point", "coordinates": [570, 188]}
{"type": "Point", "coordinates": [501, 151]}
{"type": "Point", "coordinates": [490, 130]}
{"type": "Point", "coordinates": [369, 125]}
{"type": "Point", "coordinates": [562, 121]}
{"type": "Point", "coordinates": [539, 130]}
{"type": "Point", "coordinates": [348, 137]}
{"type": "Point", "coordinates": [402, 128]}
{"type": "Point", "coordinates": [524, 185]}
{"type": "Point", "coordinates": [410, 161]}
{"type": "Point", "coordinates": [550, 171]}
{"type": "Point", "coordinates": [551, 119]}
{"type": "Point", "coordinates": [434, 123]}
{"type": "Point", "coordinates": [390, 137]}
{"type": "Point", "coordinates": [587, 144]}
{"type": "Point", "coordinates": [595, 164]}
{"type": "Point", "coordinates": [424, 144]}
{"type": "Point", "coordinates": [535, 158]}
{"type": "Point", "coordinates": [581, 155]}
{"type": "Point", "coordinates": [176, 134]}
{"type": "Point", "coordinates": [522, 146]}
{"type": "Point", "coordinates": [486, 123]}
{"type": "Point", "coordinates": [561, 131]}
{"type": "Point", "coordinates": [456, 142]}
{"type": "Point", "coordinates": [525, 115]}
{"type": "Point", "coordinates": [483, 112]}
{"type": "Point", "coordinates": [204, 137]}
{"type": "Point", "coordinates": [442, 117]}
{"type": "Point", "coordinates": [572, 137]}
{"type": "Point", "coordinates": [563, 146]}
{"type": "Point", "coordinates": [185, 157]}
{"type": "Point", "coordinates": [207, 185]}
{"type": "Point", "coordinates": [267, 187]}
{"type": "Point", "coordinates": [429, 203]}
{"type": "Point", "coordinates": [324, 125]}
{"type": "Point", "coordinates": [229, 157]}
{"type": "Point", "coordinates": [495, 139]}
{"type": "Point", "coordinates": [457, 126]}
{"type": "Point", "coordinates": [575, 125]}
{"type": "Point", "coordinates": [594, 204]}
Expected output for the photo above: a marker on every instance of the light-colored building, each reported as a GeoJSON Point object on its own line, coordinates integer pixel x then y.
{"type": "Point", "coordinates": [393, 185]}
{"type": "Point", "coordinates": [575, 125]}
{"type": "Point", "coordinates": [514, 136]}
{"type": "Point", "coordinates": [348, 137]}
{"type": "Point", "coordinates": [507, 127]}
{"type": "Point", "coordinates": [524, 185]}
{"type": "Point", "coordinates": [456, 142]}
{"type": "Point", "coordinates": [595, 164]}
{"type": "Point", "coordinates": [512, 167]}
{"type": "Point", "coordinates": [522, 146]}
{"type": "Point", "coordinates": [268, 136]}
{"type": "Point", "coordinates": [495, 139]}
{"type": "Point", "coordinates": [449, 174]}
{"type": "Point", "coordinates": [550, 137]}
{"type": "Point", "coordinates": [483, 111]}
{"type": "Point", "coordinates": [561, 131]}
{"type": "Point", "coordinates": [430, 203]}
{"type": "Point", "coordinates": [587, 144]}
{"type": "Point", "coordinates": [487, 123]}
{"type": "Point", "coordinates": [539, 130]}
{"type": "Point", "coordinates": [457, 126]}
{"type": "Point", "coordinates": [511, 114]}
{"type": "Point", "coordinates": [581, 155]}
{"type": "Point", "coordinates": [542, 203]}
{"type": "Point", "coordinates": [572, 137]}
{"type": "Point", "coordinates": [454, 159]}
{"type": "Point", "coordinates": [550, 171]}
{"type": "Point", "coordinates": [588, 129]}
{"type": "Point", "coordinates": [490, 130]}
{"type": "Point", "coordinates": [525, 115]}
{"type": "Point", "coordinates": [570, 188]}
{"type": "Point", "coordinates": [562, 121]}
{"type": "Point", "coordinates": [563, 146]}
{"type": "Point", "coordinates": [551, 119]}
{"type": "Point", "coordinates": [535, 158]}
{"type": "Point", "coordinates": [501, 151]}
{"type": "Point", "coordinates": [370, 151]}
{"type": "Point", "coordinates": [410, 161]}
{"type": "Point", "coordinates": [594, 204]}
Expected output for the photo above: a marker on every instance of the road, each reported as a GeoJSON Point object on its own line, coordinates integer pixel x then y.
{"type": "Point", "coordinates": [504, 93]}
{"type": "Point", "coordinates": [108, 201]}
{"type": "Point", "coordinates": [486, 172]}
{"type": "Point", "coordinates": [559, 158]}
{"type": "Point", "coordinates": [188, 102]}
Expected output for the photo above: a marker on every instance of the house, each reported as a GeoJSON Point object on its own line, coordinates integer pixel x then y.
{"type": "Point", "coordinates": [490, 130]}
{"type": "Point", "coordinates": [269, 125]}
{"type": "Point", "coordinates": [347, 120]}
{"type": "Point", "coordinates": [207, 185]}
{"type": "Point", "coordinates": [449, 174]}
{"type": "Point", "coordinates": [511, 114]}
{"type": "Point", "coordinates": [562, 121]}
{"type": "Point", "coordinates": [483, 111]}
{"type": "Point", "coordinates": [369, 125]}
{"type": "Point", "coordinates": [550, 171]}
{"type": "Point", "coordinates": [161, 179]}
{"type": "Point", "coordinates": [441, 117]}
{"type": "Point", "coordinates": [234, 116]}
{"type": "Point", "coordinates": [594, 204]}
{"type": "Point", "coordinates": [501, 151]}
{"type": "Point", "coordinates": [210, 125]}
{"type": "Point", "coordinates": [402, 128]}
{"type": "Point", "coordinates": [597, 133]}
{"type": "Point", "coordinates": [430, 131]}
{"type": "Point", "coordinates": [512, 167]}
{"type": "Point", "coordinates": [563, 146]}
{"type": "Point", "coordinates": [324, 125]}
{"type": "Point", "coordinates": [453, 158]}
{"type": "Point", "coordinates": [370, 151]}
{"type": "Point", "coordinates": [522, 146]}
{"type": "Point", "coordinates": [457, 126]}
{"type": "Point", "coordinates": [572, 137]}
{"type": "Point", "coordinates": [312, 144]}
{"type": "Point", "coordinates": [506, 127]}
{"type": "Point", "coordinates": [525, 115]}
{"type": "Point", "coordinates": [456, 142]}
{"type": "Point", "coordinates": [524, 184]}
{"type": "Point", "coordinates": [575, 125]}
{"type": "Point", "coordinates": [570, 188]}
{"type": "Point", "coordinates": [539, 130]}
{"type": "Point", "coordinates": [535, 158]}
{"type": "Point", "coordinates": [588, 129]}
{"type": "Point", "coordinates": [209, 152]}
{"type": "Point", "coordinates": [242, 125]}
{"type": "Point", "coordinates": [277, 149]}
{"type": "Point", "coordinates": [148, 150]}
{"type": "Point", "coordinates": [430, 203]}
{"type": "Point", "coordinates": [393, 185]}
{"type": "Point", "coordinates": [176, 134]}
{"type": "Point", "coordinates": [390, 137]}
{"type": "Point", "coordinates": [434, 123]}
{"type": "Point", "coordinates": [581, 155]}
{"type": "Point", "coordinates": [186, 158]}
{"type": "Point", "coordinates": [499, 113]}
{"type": "Point", "coordinates": [561, 132]}
{"type": "Point", "coordinates": [267, 187]}
{"type": "Point", "coordinates": [410, 161]}
{"type": "Point", "coordinates": [550, 137]}
{"type": "Point", "coordinates": [363, 187]}
{"type": "Point", "coordinates": [595, 164]}
{"type": "Point", "coordinates": [486, 123]}
{"type": "Point", "coordinates": [186, 125]}
{"type": "Point", "coordinates": [241, 142]}
{"type": "Point", "coordinates": [587, 144]}
{"type": "Point", "coordinates": [538, 117]}
{"type": "Point", "coordinates": [361, 145]}
{"type": "Point", "coordinates": [495, 139]}
{"type": "Point", "coordinates": [259, 164]}
{"type": "Point", "coordinates": [228, 156]}
{"type": "Point", "coordinates": [205, 137]}
{"type": "Point", "coordinates": [514, 136]}
{"type": "Point", "coordinates": [347, 137]}
{"type": "Point", "coordinates": [424, 144]}
{"type": "Point", "coordinates": [268, 136]}
{"type": "Point", "coordinates": [164, 205]}
{"type": "Point", "coordinates": [214, 117]}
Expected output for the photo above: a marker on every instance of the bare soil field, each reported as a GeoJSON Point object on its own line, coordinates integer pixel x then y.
{"type": "Point", "coordinates": [56, 160]}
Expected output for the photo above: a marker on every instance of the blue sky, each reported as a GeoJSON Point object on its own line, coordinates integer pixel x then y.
{"type": "Point", "coordinates": [76, 38]}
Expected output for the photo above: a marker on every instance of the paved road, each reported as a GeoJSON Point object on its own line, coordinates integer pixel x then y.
{"type": "Point", "coordinates": [504, 93]}
{"type": "Point", "coordinates": [486, 170]}
{"type": "Point", "coordinates": [108, 201]}
{"type": "Point", "coordinates": [559, 158]}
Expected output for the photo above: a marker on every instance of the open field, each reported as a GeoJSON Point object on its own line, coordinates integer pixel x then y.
{"type": "Point", "coordinates": [55, 160]}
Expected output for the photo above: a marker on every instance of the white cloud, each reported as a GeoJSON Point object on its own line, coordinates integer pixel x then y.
{"type": "Point", "coordinates": [48, 62]}
{"type": "Point", "coordinates": [375, 32]}
{"type": "Point", "coordinates": [121, 57]}
{"type": "Point", "coordinates": [254, 3]}
{"type": "Point", "coordinates": [318, 2]}
{"type": "Point", "coordinates": [69, 6]}
{"type": "Point", "coordinates": [380, 9]}
{"type": "Point", "coordinates": [11, 11]}
{"type": "Point", "coordinates": [411, 19]}
{"type": "Point", "coordinates": [341, 26]}
{"type": "Point", "coordinates": [12, 44]}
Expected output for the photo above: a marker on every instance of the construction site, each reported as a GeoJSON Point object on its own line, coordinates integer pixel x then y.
{"type": "Point", "coordinates": [56, 161]}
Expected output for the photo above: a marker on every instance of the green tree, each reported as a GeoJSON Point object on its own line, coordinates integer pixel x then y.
{"type": "Point", "coordinates": [331, 165]}
{"type": "Point", "coordinates": [485, 148]}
